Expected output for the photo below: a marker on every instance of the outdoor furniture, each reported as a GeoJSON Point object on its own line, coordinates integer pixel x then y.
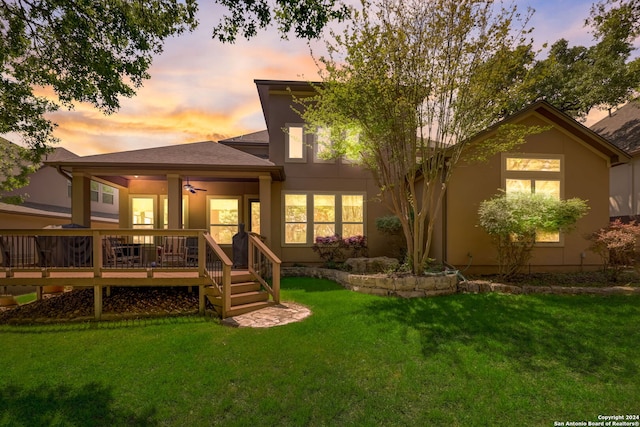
{"type": "Point", "coordinates": [173, 251]}
{"type": "Point", "coordinates": [18, 251]}
{"type": "Point", "coordinates": [117, 253]}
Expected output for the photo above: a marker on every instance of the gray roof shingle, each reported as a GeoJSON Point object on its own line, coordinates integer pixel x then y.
{"type": "Point", "coordinates": [622, 127]}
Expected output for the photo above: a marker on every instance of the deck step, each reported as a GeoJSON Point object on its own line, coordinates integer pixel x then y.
{"type": "Point", "coordinates": [242, 287]}
{"type": "Point", "coordinates": [249, 297]}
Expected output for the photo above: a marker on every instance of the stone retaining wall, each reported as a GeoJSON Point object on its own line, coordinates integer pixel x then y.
{"type": "Point", "coordinates": [382, 284]}
{"type": "Point", "coordinates": [478, 286]}
{"type": "Point", "coordinates": [424, 286]}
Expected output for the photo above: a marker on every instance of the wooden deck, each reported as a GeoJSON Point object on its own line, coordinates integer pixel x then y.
{"type": "Point", "coordinates": [81, 258]}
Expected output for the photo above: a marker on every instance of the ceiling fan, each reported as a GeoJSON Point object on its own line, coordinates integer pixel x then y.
{"type": "Point", "coordinates": [191, 189]}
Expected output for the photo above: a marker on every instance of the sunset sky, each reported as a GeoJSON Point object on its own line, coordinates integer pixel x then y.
{"type": "Point", "coordinates": [203, 90]}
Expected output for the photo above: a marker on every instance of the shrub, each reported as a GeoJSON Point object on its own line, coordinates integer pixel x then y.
{"type": "Point", "coordinates": [513, 221]}
{"type": "Point", "coordinates": [334, 249]}
{"type": "Point", "coordinates": [616, 245]}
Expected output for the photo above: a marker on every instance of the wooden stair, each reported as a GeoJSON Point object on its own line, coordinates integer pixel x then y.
{"type": "Point", "coordinates": [246, 295]}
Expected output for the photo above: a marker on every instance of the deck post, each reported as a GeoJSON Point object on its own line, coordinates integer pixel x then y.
{"type": "Point", "coordinates": [97, 299]}
{"type": "Point", "coordinates": [201, 299]}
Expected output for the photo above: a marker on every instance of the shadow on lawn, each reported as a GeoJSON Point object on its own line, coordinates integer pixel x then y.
{"type": "Point", "coordinates": [584, 334]}
{"type": "Point", "coordinates": [89, 405]}
{"type": "Point", "coordinates": [309, 284]}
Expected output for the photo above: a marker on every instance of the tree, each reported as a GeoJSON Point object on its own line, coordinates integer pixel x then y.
{"type": "Point", "coordinates": [307, 18]}
{"type": "Point", "coordinates": [56, 53]}
{"type": "Point", "coordinates": [514, 220]}
{"type": "Point", "coordinates": [397, 94]}
{"type": "Point", "coordinates": [576, 79]}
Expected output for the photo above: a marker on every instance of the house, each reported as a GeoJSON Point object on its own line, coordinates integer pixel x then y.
{"type": "Point", "coordinates": [48, 200]}
{"type": "Point", "coordinates": [622, 128]}
{"type": "Point", "coordinates": [278, 185]}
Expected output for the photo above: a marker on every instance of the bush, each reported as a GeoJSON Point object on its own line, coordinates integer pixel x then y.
{"type": "Point", "coordinates": [513, 221]}
{"type": "Point", "coordinates": [334, 249]}
{"type": "Point", "coordinates": [616, 245]}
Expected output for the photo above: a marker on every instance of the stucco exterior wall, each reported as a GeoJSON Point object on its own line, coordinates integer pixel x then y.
{"type": "Point", "coordinates": [624, 189]}
{"type": "Point", "coordinates": [586, 176]}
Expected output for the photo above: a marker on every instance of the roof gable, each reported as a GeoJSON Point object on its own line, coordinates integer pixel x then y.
{"type": "Point", "coordinates": [569, 124]}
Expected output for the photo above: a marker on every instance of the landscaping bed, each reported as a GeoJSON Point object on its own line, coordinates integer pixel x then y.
{"type": "Point", "coordinates": [123, 303]}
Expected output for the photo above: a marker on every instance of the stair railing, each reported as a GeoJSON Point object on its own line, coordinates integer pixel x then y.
{"type": "Point", "coordinates": [265, 266]}
{"type": "Point", "coordinates": [217, 266]}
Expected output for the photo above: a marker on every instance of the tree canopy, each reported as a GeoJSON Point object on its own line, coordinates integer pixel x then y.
{"type": "Point", "coordinates": [576, 79]}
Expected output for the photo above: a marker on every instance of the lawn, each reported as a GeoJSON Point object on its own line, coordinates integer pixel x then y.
{"type": "Point", "coordinates": [461, 360]}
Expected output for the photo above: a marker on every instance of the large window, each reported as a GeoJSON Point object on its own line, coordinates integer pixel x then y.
{"type": "Point", "coordinates": [538, 175]}
{"type": "Point", "coordinates": [224, 218]}
{"type": "Point", "coordinates": [308, 216]}
{"type": "Point", "coordinates": [295, 218]}
{"type": "Point", "coordinates": [295, 147]}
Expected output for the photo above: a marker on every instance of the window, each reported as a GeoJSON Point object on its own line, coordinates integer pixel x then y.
{"type": "Point", "coordinates": [143, 216]}
{"type": "Point", "coordinates": [295, 218]}
{"type": "Point", "coordinates": [322, 146]}
{"type": "Point", "coordinates": [538, 175]}
{"type": "Point", "coordinates": [295, 147]}
{"type": "Point", "coordinates": [223, 219]}
{"type": "Point", "coordinates": [341, 214]}
{"type": "Point", "coordinates": [108, 194]}
{"type": "Point", "coordinates": [254, 216]}
{"type": "Point", "coordinates": [95, 191]}
{"type": "Point", "coordinates": [324, 215]}
{"type": "Point", "coordinates": [142, 212]}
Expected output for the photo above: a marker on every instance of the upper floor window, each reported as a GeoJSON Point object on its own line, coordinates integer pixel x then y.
{"type": "Point", "coordinates": [537, 174]}
{"type": "Point", "coordinates": [295, 147]}
{"type": "Point", "coordinates": [322, 146]}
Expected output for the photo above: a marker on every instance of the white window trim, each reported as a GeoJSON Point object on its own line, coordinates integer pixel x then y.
{"type": "Point", "coordinates": [185, 210]}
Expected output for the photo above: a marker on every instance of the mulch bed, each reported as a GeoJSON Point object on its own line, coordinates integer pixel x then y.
{"type": "Point", "coordinates": [123, 303]}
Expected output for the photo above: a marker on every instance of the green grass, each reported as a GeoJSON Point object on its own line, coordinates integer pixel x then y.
{"type": "Point", "coordinates": [461, 360]}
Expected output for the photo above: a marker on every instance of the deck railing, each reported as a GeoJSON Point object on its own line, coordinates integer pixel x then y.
{"type": "Point", "coordinates": [218, 268]}
{"type": "Point", "coordinates": [265, 266]}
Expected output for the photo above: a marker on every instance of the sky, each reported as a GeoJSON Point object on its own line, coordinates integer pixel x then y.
{"type": "Point", "coordinates": [201, 89]}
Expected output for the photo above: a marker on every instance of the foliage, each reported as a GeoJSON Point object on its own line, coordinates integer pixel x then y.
{"type": "Point", "coordinates": [398, 96]}
{"type": "Point", "coordinates": [92, 52]}
{"type": "Point", "coordinates": [16, 165]}
{"type": "Point", "coordinates": [576, 79]}
{"type": "Point", "coordinates": [389, 224]}
{"type": "Point", "coordinates": [616, 245]}
{"type": "Point", "coordinates": [307, 17]}
{"type": "Point", "coordinates": [513, 221]}
{"type": "Point", "coordinates": [334, 249]}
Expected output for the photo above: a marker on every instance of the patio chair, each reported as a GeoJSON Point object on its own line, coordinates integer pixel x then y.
{"type": "Point", "coordinates": [173, 251]}
{"type": "Point", "coordinates": [115, 253]}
